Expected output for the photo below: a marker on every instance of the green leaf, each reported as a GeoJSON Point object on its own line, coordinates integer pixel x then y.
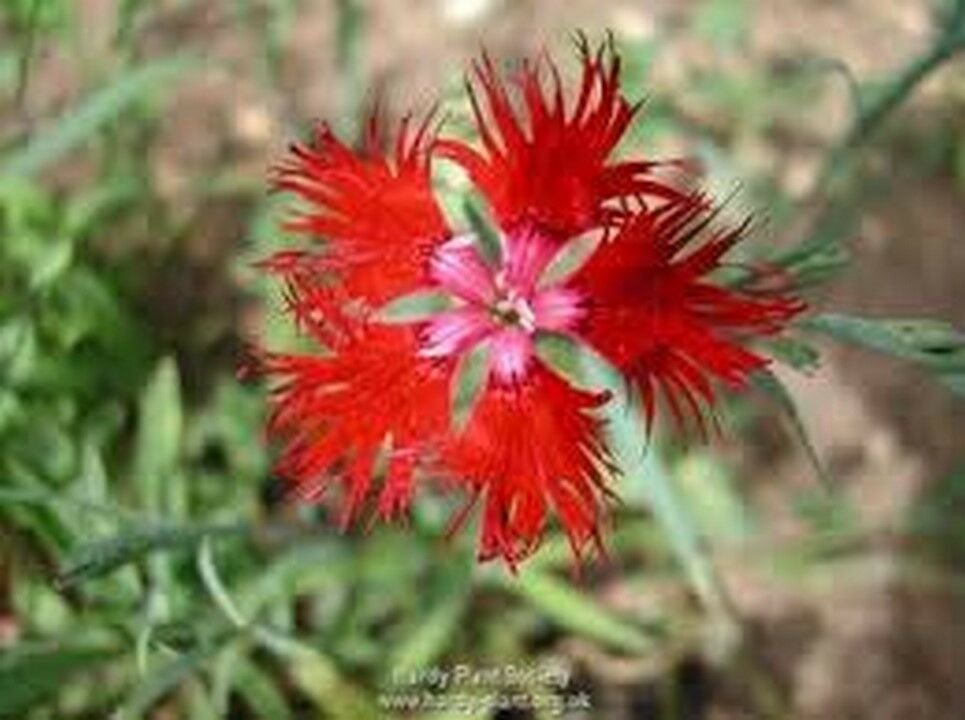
{"type": "Point", "coordinates": [824, 252]}
{"type": "Point", "coordinates": [313, 568]}
{"type": "Point", "coordinates": [41, 494]}
{"type": "Point", "coordinates": [50, 522]}
{"type": "Point", "coordinates": [30, 677]}
{"type": "Point", "coordinates": [935, 345]}
{"type": "Point", "coordinates": [922, 340]}
{"type": "Point", "coordinates": [578, 612]}
{"type": "Point", "coordinates": [104, 556]}
{"type": "Point", "coordinates": [159, 431]}
{"type": "Point", "coordinates": [434, 629]}
{"type": "Point", "coordinates": [260, 691]}
{"type": "Point", "coordinates": [318, 678]}
{"type": "Point", "coordinates": [57, 258]}
{"type": "Point", "coordinates": [216, 589]}
{"type": "Point", "coordinates": [87, 208]}
{"type": "Point", "coordinates": [162, 680]}
{"type": "Point", "coordinates": [415, 307]}
{"type": "Point", "coordinates": [710, 492]}
{"type": "Point", "coordinates": [570, 258]}
{"type": "Point", "coordinates": [200, 706]}
{"type": "Point", "coordinates": [564, 356]}
{"type": "Point", "coordinates": [80, 123]}
{"type": "Point", "coordinates": [771, 385]}
{"type": "Point", "coordinates": [18, 350]}
{"type": "Point", "coordinates": [793, 352]}
{"type": "Point", "coordinates": [637, 457]}
{"type": "Point", "coordinates": [485, 230]}
{"type": "Point", "coordinates": [467, 385]}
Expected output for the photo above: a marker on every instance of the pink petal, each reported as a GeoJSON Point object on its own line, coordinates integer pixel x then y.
{"type": "Point", "coordinates": [458, 267]}
{"type": "Point", "coordinates": [557, 308]}
{"type": "Point", "coordinates": [510, 352]}
{"type": "Point", "coordinates": [454, 332]}
{"type": "Point", "coordinates": [528, 252]}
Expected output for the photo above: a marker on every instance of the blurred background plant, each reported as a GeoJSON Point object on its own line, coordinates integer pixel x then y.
{"type": "Point", "coordinates": [147, 568]}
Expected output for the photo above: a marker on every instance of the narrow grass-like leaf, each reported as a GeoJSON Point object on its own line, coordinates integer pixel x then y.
{"type": "Point", "coordinates": [935, 345]}
{"type": "Point", "coordinates": [53, 264]}
{"type": "Point", "coordinates": [821, 254]}
{"type": "Point", "coordinates": [794, 352]}
{"type": "Point", "coordinates": [78, 124]}
{"type": "Point", "coordinates": [87, 209]}
{"type": "Point", "coordinates": [578, 612]}
{"type": "Point", "coordinates": [45, 496]}
{"type": "Point", "coordinates": [771, 385]}
{"type": "Point", "coordinates": [200, 706]}
{"type": "Point", "coordinates": [259, 691]}
{"type": "Point", "coordinates": [634, 451]}
{"type": "Point", "coordinates": [49, 522]}
{"type": "Point", "coordinates": [716, 503]}
{"type": "Point", "coordinates": [835, 66]}
{"type": "Point", "coordinates": [431, 635]}
{"type": "Point", "coordinates": [922, 340]}
{"type": "Point", "coordinates": [434, 628]}
{"type": "Point", "coordinates": [161, 681]}
{"type": "Point", "coordinates": [318, 678]}
{"type": "Point", "coordinates": [103, 556]}
{"type": "Point", "coordinates": [159, 431]}
{"type": "Point", "coordinates": [30, 677]}
{"type": "Point", "coordinates": [216, 589]}
{"type": "Point", "coordinates": [29, 35]}
{"type": "Point", "coordinates": [310, 568]}
{"type": "Point", "coordinates": [159, 483]}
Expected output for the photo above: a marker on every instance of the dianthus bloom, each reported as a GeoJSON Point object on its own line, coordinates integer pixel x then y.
{"type": "Point", "coordinates": [369, 410]}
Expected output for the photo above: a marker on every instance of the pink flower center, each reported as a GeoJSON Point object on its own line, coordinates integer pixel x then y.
{"type": "Point", "coordinates": [504, 307]}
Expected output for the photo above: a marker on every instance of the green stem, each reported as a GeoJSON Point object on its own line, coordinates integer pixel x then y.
{"type": "Point", "coordinates": [949, 42]}
{"type": "Point", "coordinates": [886, 102]}
{"type": "Point", "coordinates": [26, 53]}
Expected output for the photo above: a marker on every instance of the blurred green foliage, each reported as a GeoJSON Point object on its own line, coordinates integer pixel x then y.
{"type": "Point", "coordinates": [142, 561]}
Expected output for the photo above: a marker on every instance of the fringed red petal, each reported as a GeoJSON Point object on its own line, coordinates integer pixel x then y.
{"type": "Point", "coordinates": [529, 450]}
{"type": "Point", "coordinates": [657, 313]}
{"type": "Point", "coordinates": [338, 415]}
{"type": "Point", "coordinates": [552, 164]}
{"type": "Point", "coordinates": [375, 208]}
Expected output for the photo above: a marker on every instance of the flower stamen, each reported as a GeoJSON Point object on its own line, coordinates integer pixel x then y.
{"type": "Point", "coordinates": [513, 310]}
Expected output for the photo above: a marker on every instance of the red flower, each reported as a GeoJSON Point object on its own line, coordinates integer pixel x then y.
{"type": "Point", "coordinates": [368, 395]}
{"type": "Point", "coordinates": [556, 168]}
{"type": "Point", "coordinates": [377, 392]}
{"type": "Point", "coordinates": [529, 447]}
{"type": "Point", "coordinates": [657, 314]}
{"type": "Point", "coordinates": [375, 210]}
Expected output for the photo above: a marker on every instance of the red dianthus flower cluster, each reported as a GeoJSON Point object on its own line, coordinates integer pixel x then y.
{"type": "Point", "coordinates": [377, 393]}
